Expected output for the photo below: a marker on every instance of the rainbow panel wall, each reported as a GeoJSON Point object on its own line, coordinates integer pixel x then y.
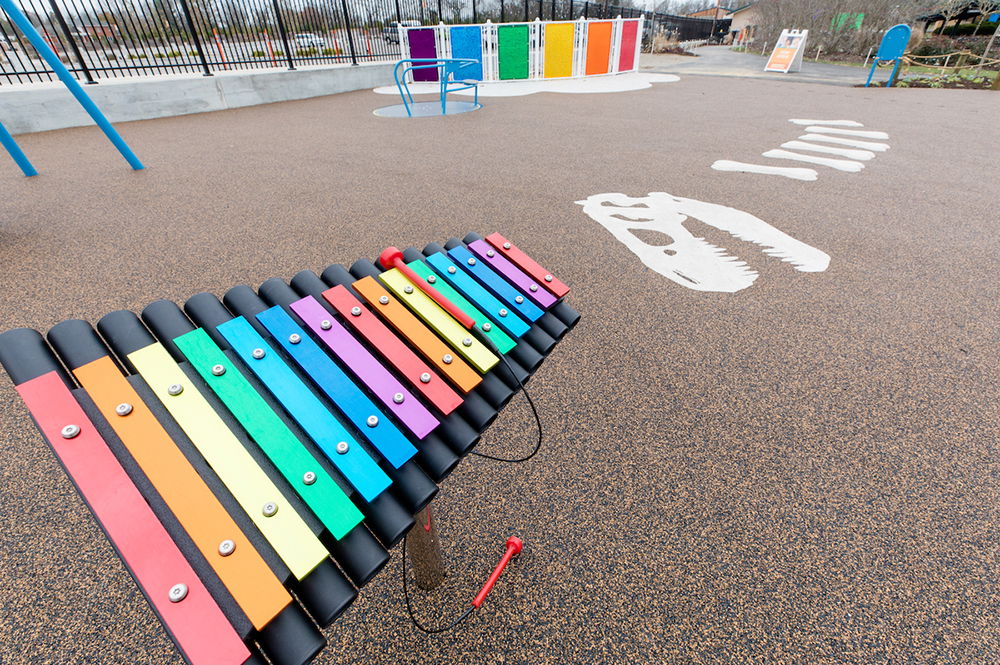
{"type": "Point", "coordinates": [559, 50]}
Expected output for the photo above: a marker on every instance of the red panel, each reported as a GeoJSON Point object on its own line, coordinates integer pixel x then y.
{"type": "Point", "coordinates": [626, 59]}
{"type": "Point", "coordinates": [528, 264]}
{"type": "Point", "coordinates": [437, 391]}
{"type": "Point", "coordinates": [196, 623]}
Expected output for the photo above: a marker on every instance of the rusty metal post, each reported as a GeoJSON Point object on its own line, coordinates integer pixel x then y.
{"type": "Point", "coordinates": [425, 551]}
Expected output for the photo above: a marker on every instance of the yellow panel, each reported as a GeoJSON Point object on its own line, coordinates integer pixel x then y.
{"type": "Point", "coordinates": [558, 50]}
{"type": "Point", "coordinates": [434, 316]}
{"type": "Point", "coordinates": [285, 530]}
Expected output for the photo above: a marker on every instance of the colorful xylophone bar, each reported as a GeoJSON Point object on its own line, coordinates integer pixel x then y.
{"type": "Point", "coordinates": [252, 459]}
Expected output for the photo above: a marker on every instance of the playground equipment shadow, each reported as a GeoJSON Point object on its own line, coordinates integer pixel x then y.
{"type": "Point", "coordinates": [801, 472]}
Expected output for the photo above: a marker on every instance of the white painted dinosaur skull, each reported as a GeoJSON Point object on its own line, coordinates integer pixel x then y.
{"type": "Point", "coordinates": [688, 260]}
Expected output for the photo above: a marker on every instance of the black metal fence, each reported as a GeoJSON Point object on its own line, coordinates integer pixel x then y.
{"type": "Point", "coordinates": [99, 39]}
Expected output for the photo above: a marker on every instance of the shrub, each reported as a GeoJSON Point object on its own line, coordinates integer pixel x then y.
{"type": "Point", "coordinates": [111, 56]}
{"type": "Point", "coordinates": [136, 56]}
{"type": "Point", "coordinates": [302, 52]}
{"type": "Point", "coordinates": [259, 54]}
{"type": "Point", "coordinates": [331, 51]}
{"type": "Point", "coordinates": [174, 54]}
{"type": "Point", "coordinates": [194, 53]}
{"type": "Point", "coordinates": [158, 55]}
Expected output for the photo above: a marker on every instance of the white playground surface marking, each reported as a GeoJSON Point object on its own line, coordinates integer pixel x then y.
{"type": "Point", "coordinates": [591, 84]}
{"type": "Point", "coordinates": [838, 123]}
{"type": "Point", "coordinates": [787, 171]}
{"type": "Point", "coordinates": [865, 145]}
{"type": "Point", "coordinates": [839, 164]}
{"type": "Point", "coordinates": [863, 155]}
{"type": "Point", "coordinates": [847, 132]}
{"type": "Point", "coordinates": [688, 260]}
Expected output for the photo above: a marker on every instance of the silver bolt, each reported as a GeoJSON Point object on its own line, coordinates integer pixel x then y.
{"type": "Point", "coordinates": [218, 370]}
{"type": "Point", "coordinates": [548, 278]}
{"type": "Point", "coordinates": [467, 341]}
{"type": "Point", "coordinates": [177, 593]}
{"type": "Point", "coordinates": [355, 311]}
{"type": "Point", "coordinates": [384, 300]}
{"type": "Point", "coordinates": [425, 378]}
{"type": "Point", "coordinates": [226, 547]}
{"type": "Point", "coordinates": [533, 288]}
{"type": "Point", "coordinates": [431, 279]}
{"type": "Point", "coordinates": [519, 299]}
{"type": "Point", "coordinates": [502, 312]}
{"type": "Point", "coordinates": [270, 508]}
{"type": "Point", "coordinates": [309, 477]}
{"type": "Point", "coordinates": [342, 448]}
{"type": "Point", "coordinates": [258, 353]}
{"type": "Point", "coordinates": [325, 324]}
{"type": "Point", "coordinates": [175, 389]}
{"type": "Point", "coordinates": [407, 289]}
{"type": "Point", "coordinates": [472, 262]}
{"type": "Point", "coordinates": [70, 431]}
{"type": "Point", "coordinates": [452, 270]}
{"type": "Point", "coordinates": [447, 359]}
{"type": "Point", "coordinates": [123, 409]}
{"type": "Point", "coordinates": [487, 326]}
{"type": "Point", "coordinates": [372, 421]}
{"type": "Point", "coordinates": [491, 253]}
{"type": "Point", "coordinates": [398, 398]}
{"type": "Point", "coordinates": [294, 338]}
{"type": "Point", "coordinates": [506, 245]}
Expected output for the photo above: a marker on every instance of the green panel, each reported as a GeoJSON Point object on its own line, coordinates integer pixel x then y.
{"type": "Point", "coordinates": [512, 51]}
{"type": "Point", "coordinates": [497, 336]}
{"type": "Point", "coordinates": [324, 497]}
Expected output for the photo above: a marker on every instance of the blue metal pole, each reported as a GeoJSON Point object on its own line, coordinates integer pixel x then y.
{"type": "Point", "coordinates": [15, 151]}
{"type": "Point", "coordinates": [871, 73]}
{"type": "Point", "coordinates": [22, 22]}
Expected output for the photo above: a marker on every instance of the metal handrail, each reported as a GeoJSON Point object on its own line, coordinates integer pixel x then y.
{"type": "Point", "coordinates": [446, 67]}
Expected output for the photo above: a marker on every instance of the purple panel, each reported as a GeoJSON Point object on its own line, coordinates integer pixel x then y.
{"type": "Point", "coordinates": [359, 360]}
{"type": "Point", "coordinates": [422, 46]}
{"type": "Point", "coordinates": [512, 274]}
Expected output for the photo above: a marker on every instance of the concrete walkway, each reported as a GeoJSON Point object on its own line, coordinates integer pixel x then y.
{"type": "Point", "coordinates": [723, 61]}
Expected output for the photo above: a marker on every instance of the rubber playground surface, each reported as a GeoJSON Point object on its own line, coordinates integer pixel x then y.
{"type": "Point", "coordinates": [803, 471]}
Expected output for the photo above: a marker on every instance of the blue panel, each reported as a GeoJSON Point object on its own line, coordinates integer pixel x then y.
{"type": "Point", "coordinates": [300, 402]}
{"type": "Point", "coordinates": [483, 299]}
{"type": "Point", "coordinates": [467, 42]}
{"type": "Point", "coordinates": [497, 285]}
{"type": "Point", "coordinates": [343, 392]}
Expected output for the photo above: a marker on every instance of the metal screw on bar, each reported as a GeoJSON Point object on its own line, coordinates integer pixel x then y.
{"type": "Point", "coordinates": [258, 354]}
{"type": "Point", "coordinates": [431, 279]}
{"type": "Point", "coordinates": [372, 421]}
{"type": "Point", "coordinates": [177, 593]}
{"type": "Point", "coordinates": [175, 389]}
{"type": "Point", "coordinates": [519, 299]}
{"type": "Point", "coordinates": [447, 360]}
{"type": "Point", "coordinates": [472, 262]}
{"type": "Point", "coordinates": [548, 278]}
{"type": "Point", "coordinates": [398, 398]}
{"type": "Point", "coordinates": [294, 338]}
{"type": "Point", "coordinates": [451, 270]}
{"type": "Point", "coordinates": [226, 547]}
{"type": "Point", "coordinates": [425, 378]}
{"type": "Point", "coordinates": [533, 288]}
{"type": "Point", "coordinates": [123, 409]}
{"type": "Point", "coordinates": [325, 324]}
{"type": "Point", "coordinates": [384, 300]}
{"type": "Point", "coordinates": [309, 477]}
{"type": "Point", "coordinates": [506, 245]}
{"type": "Point", "coordinates": [407, 289]}
{"type": "Point", "coordinates": [502, 312]}
{"type": "Point", "coordinates": [342, 448]}
{"type": "Point", "coordinates": [269, 509]}
{"type": "Point", "coordinates": [70, 431]}
{"type": "Point", "coordinates": [355, 311]}
{"type": "Point", "coordinates": [467, 341]}
{"type": "Point", "coordinates": [218, 370]}
{"type": "Point", "coordinates": [491, 253]}
{"type": "Point", "coordinates": [487, 326]}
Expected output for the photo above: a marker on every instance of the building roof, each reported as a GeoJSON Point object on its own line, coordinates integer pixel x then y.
{"type": "Point", "coordinates": [742, 7]}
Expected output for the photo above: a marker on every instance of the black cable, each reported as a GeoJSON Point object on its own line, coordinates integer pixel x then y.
{"type": "Point", "coordinates": [538, 421]}
{"type": "Point", "coordinates": [409, 607]}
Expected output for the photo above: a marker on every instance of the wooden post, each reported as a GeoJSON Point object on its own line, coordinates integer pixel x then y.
{"type": "Point", "coordinates": [425, 551]}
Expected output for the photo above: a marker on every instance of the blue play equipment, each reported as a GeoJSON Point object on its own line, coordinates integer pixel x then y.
{"type": "Point", "coordinates": [447, 70]}
{"type": "Point", "coordinates": [21, 21]}
{"type": "Point", "coordinates": [891, 50]}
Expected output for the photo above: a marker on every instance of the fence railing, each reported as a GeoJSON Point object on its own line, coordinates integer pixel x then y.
{"type": "Point", "coordinates": [101, 39]}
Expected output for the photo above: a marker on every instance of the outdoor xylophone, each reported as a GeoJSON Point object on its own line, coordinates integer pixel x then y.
{"type": "Point", "coordinates": [252, 459]}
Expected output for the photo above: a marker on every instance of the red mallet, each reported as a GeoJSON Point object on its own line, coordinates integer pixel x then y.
{"type": "Point", "coordinates": [514, 546]}
{"type": "Point", "coordinates": [393, 258]}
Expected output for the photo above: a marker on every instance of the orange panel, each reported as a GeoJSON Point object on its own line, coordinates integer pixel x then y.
{"type": "Point", "coordinates": [419, 335]}
{"type": "Point", "coordinates": [598, 47]}
{"type": "Point", "coordinates": [244, 573]}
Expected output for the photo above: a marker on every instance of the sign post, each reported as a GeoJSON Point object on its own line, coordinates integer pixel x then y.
{"type": "Point", "coordinates": [788, 51]}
